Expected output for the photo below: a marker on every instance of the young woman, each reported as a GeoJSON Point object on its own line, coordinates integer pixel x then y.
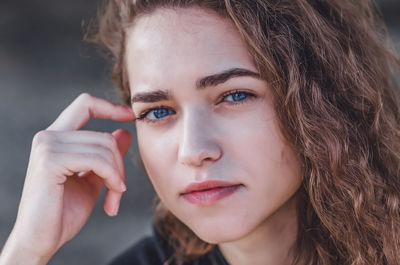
{"type": "Point", "coordinates": [269, 129]}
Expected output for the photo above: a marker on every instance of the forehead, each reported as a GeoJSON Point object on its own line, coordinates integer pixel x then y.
{"type": "Point", "coordinates": [178, 45]}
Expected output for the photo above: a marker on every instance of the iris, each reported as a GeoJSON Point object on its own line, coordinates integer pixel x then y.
{"type": "Point", "coordinates": [237, 96]}
{"type": "Point", "coordinates": [159, 113]}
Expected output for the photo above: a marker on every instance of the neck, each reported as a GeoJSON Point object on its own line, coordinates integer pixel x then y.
{"type": "Point", "coordinates": [269, 243]}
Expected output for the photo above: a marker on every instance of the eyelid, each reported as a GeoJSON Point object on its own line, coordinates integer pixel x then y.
{"type": "Point", "coordinates": [145, 112]}
{"type": "Point", "coordinates": [228, 93]}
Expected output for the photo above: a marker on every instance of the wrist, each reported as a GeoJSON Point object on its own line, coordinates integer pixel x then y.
{"type": "Point", "coordinates": [14, 253]}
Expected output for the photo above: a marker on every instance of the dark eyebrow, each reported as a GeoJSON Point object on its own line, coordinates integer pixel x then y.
{"type": "Point", "coordinates": [207, 81]}
{"type": "Point", "coordinates": [216, 79]}
{"type": "Point", "coordinates": [149, 97]}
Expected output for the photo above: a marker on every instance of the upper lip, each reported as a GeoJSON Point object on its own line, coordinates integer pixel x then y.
{"type": "Point", "coordinates": [206, 185]}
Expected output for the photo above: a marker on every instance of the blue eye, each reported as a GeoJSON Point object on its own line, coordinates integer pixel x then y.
{"type": "Point", "coordinates": [155, 114]}
{"type": "Point", "coordinates": [236, 96]}
{"type": "Point", "coordinates": [159, 113]}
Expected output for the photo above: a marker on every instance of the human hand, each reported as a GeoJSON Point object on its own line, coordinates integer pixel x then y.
{"type": "Point", "coordinates": [66, 173]}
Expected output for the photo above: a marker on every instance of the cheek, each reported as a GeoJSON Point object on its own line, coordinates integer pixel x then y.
{"type": "Point", "coordinates": [273, 158]}
{"type": "Point", "coordinates": [270, 167]}
{"type": "Point", "coordinates": [157, 156]}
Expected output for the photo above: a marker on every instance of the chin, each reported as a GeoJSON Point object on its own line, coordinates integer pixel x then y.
{"type": "Point", "coordinates": [219, 230]}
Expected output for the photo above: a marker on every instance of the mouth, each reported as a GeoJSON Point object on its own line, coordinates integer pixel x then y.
{"type": "Point", "coordinates": [209, 192]}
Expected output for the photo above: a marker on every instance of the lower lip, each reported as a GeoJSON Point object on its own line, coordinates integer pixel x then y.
{"type": "Point", "coordinates": [210, 196]}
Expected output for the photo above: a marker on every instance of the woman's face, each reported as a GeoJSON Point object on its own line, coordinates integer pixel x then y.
{"type": "Point", "coordinates": [207, 131]}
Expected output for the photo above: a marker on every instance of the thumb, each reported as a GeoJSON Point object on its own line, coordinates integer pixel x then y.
{"type": "Point", "coordinates": [124, 140]}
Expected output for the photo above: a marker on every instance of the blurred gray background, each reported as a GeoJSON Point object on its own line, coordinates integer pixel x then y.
{"type": "Point", "coordinates": [44, 65]}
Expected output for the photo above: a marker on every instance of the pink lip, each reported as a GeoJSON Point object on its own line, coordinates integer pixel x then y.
{"type": "Point", "coordinates": [209, 192]}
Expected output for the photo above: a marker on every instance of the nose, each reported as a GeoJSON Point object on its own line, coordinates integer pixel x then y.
{"type": "Point", "coordinates": [198, 142]}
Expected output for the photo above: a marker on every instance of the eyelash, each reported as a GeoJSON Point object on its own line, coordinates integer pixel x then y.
{"type": "Point", "coordinates": [249, 95]}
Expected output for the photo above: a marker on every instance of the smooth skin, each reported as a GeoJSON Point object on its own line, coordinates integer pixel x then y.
{"type": "Point", "coordinates": [66, 174]}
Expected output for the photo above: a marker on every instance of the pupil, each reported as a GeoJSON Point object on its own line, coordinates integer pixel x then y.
{"type": "Point", "coordinates": [239, 96]}
{"type": "Point", "coordinates": [159, 113]}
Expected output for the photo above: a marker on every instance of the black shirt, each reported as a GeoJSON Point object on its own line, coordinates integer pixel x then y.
{"type": "Point", "coordinates": [153, 250]}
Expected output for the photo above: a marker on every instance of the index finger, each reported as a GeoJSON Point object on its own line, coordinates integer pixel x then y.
{"type": "Point", "coordinates": [84, 107]}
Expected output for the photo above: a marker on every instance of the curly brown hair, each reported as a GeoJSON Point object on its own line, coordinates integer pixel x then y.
{"type": "Point", "coordinates": [333, 73]}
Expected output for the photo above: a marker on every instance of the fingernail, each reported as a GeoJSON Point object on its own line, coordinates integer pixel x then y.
{"type": "Point", "coordinates": [116, 209]}
{"type": "Point", "coordinates": [123, 187]}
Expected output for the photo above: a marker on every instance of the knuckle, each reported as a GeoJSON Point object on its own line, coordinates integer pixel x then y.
{"type": "Point", "coordinates": [109, 170]}
{"type": "Point", "coordinates": [44, 150]}
{"type": "Point", "coordinates": [108, 163]}
{"type": "Point", "coordinates": [99, 160]}
{"type": "Point", "coordinates": [43, 146]}
{"type": "Point", "coordinates": [114, 144]}
{"type": "Point", "coordinates": [84, 98]}
{"type": "Point", "coordinates": [111, 142]}
{"type": "Point", "coordinates": [113, 170]}
{"type": "Point", "coordinates": [45, 158]}
{"type": "Point", "coordinates": [108, 154]}
{"type": "Point", "coordinates": [41, 137]}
